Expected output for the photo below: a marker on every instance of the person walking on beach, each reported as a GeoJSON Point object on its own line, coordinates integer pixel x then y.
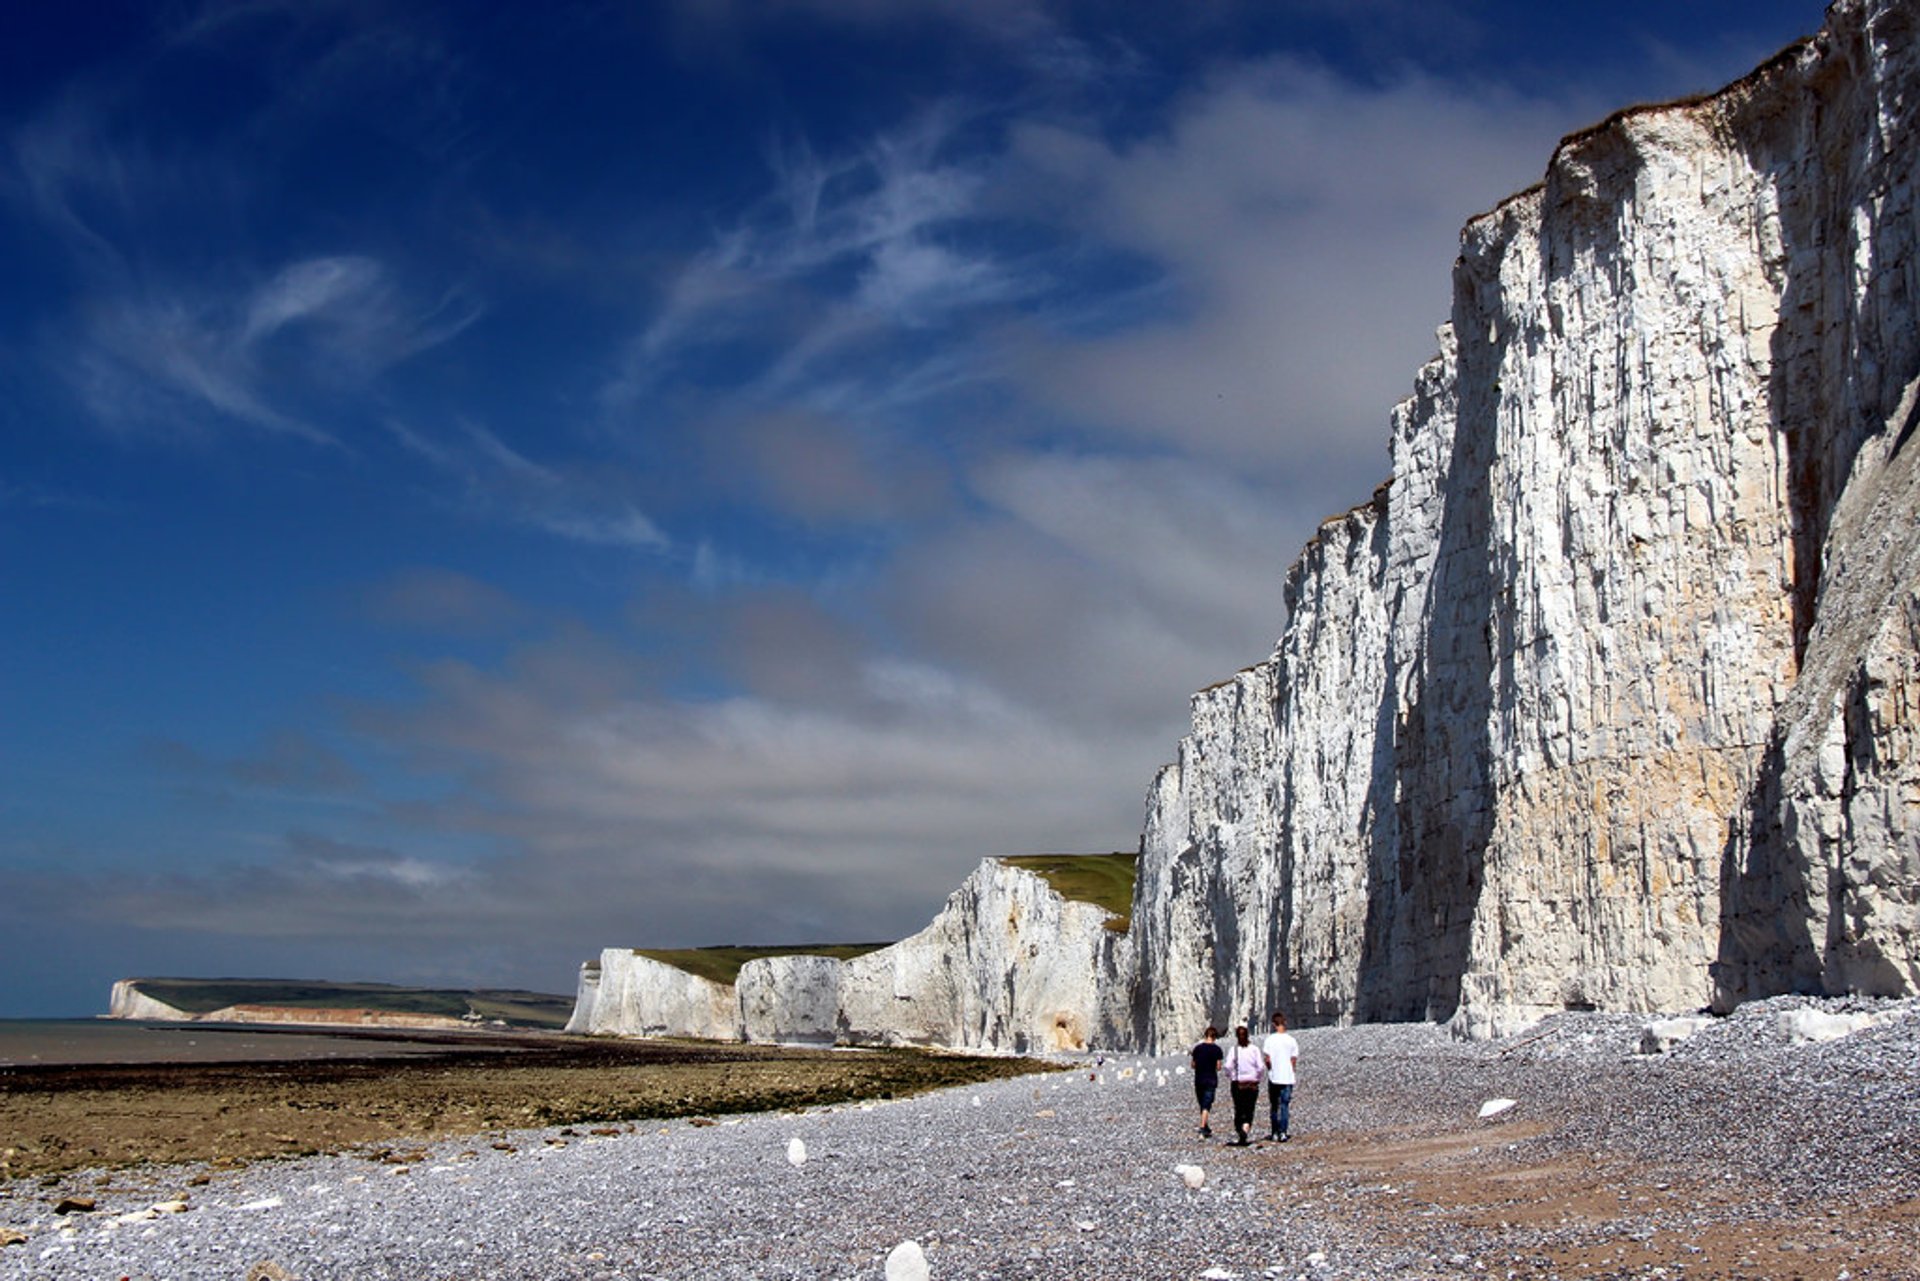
{"type": "Point", "coordinates": [1282, 1054]}
{"type": "Point", "coordinates": [1205, 1058]}
{"type": "Point", "coordinates": [1245, 1066]}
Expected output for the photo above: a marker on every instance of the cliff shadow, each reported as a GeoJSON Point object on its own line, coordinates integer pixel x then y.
{"type": "Point", "coordinates": [1432, 755]}
{"type": "Point", "coordinates": [1845, 346]}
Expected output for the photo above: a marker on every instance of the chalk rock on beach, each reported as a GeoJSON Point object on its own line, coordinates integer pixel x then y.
{"type": "Point", "coordinates": [907, 1262]}
{"type": "Point", "coordinates": [1662, 1035]}
{"type": "Point", "coordinates": [1802, 1026]}
{"type": "Point", "coordinates": [1494, 1107]}
{"type": "Point", "coordinates": [1191, 1175]}
{"type": "Point", "coordinates": [796, 1151]}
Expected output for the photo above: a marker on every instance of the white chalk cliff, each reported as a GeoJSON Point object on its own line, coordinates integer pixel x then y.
{"type": "Point", "coordinates": [633, 995]}
{"type": "Point", "coordinates": [1610, 696]}
{"type": "Point", "coordinates": [1007, 965]}
{"type": "Point", "coordinates": [127, 1001]}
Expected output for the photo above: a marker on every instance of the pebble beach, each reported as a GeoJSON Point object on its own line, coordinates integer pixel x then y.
{"type": "Point", "coordinates": [1743, 1150]}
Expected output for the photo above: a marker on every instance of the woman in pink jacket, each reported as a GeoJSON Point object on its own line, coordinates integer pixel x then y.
{"type": "Point", "coordinates": [1245, 1067]}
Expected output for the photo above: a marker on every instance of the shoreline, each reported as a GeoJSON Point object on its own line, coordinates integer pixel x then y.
{"type": "Point", "coordinates": [1739, 1153]}
{"type": "Point", "coordinates": [67, 1118]}
{"type": "Point", "coordinates": [31, 1044]}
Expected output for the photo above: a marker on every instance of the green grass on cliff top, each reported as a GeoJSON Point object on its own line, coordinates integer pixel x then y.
{"type": "Point", "coordinates": [722, 964]}
{"type": "Point", "coordinates": [1105, 880]}
{"type": "Point", "coordinates": [511, 1006]}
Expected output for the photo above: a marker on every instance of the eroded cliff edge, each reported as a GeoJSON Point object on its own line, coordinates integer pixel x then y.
{"type": "Point", "coordinates": [1611, 696]}
{"type": "Point", "coordinates": [1008, 964]}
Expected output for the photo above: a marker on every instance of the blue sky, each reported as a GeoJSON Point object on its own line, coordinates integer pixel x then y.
{"type": "Point", "coordinates": [481, 483]}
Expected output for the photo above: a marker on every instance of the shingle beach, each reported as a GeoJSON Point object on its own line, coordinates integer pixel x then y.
{"type": "Point", "coordinates": [1738, 1152]}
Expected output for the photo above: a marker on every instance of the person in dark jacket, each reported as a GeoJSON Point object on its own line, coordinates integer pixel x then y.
{"type": "Point", "coordinates": [1206, 1058]}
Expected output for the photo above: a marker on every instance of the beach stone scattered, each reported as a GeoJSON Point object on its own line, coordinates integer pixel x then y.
{"type": "Point", "coordinates": [1626, 1165]}
{"type": "Point", "coordinates": [268, 1270]}
{"type": "Point", "coordinates": [10, 1236]}
{"type": "Point", "coordinates": [1494, 1107]}
{"type": "Point", "coordinates": [796, 1152]}
{"type": "Point", "coordinates": [907, 1262]}
{"type": "Point", "coordinates": [74, 1205]}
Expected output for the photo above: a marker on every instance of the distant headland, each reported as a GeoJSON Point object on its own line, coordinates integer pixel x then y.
{"type": "Point", "coordinates": [325, 1004]}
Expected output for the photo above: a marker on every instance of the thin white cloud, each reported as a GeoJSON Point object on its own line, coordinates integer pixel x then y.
{"type": "Point", "coordinates": [143, 364]}
{"type": "Point", "coordinates": [191, 359]}
{"type": "Point", "coordinates": [885, 218]}
{"type": "Point", "coordinates": [304, 289]}
{"type": "Point", "coordinates": [492, 479]}
{"type": "Point", "coordinates": [157, 336]}
{"type": "Point", "coordinates": [627, 528]}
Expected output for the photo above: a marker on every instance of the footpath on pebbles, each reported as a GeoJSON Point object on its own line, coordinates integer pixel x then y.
{"type": "Point", "coordinates": [1747, 1149]}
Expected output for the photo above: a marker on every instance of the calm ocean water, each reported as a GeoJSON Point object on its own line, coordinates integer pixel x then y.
{"type": "Point", "coordinates": [50, 1042]}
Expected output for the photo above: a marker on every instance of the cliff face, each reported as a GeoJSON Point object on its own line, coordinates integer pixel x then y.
{"type": "Point", "coordinates": [1007, 965]}
{"type": "Point", "coordinates": [127, 1001]}
{"type": "Point", "coordinates": [1610, 697]}
{"type": "Point", "coordinates": [634, 995]}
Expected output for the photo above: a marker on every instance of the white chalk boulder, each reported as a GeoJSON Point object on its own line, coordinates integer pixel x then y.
{"type": "Point", "coordinates": [907, 1262]}
{"type": "Point", "coordinates": [1662, 1035]}
{"type": "Point", "coordinates": [1494, 1107]}
{"type": "Point", "coordinates": [1804, 1025]}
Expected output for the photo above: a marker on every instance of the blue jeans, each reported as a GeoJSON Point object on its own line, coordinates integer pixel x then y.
{"type": "Point", "coordinates": [1279, 1102]}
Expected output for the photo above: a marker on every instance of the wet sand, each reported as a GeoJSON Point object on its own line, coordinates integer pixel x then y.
{"type": "Point", "coordinates": [63, 1042]}
{"type": "Point", "coordinates": [59, 1119]}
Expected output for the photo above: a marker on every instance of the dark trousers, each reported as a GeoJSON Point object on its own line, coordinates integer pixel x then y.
{"type": "Point", "coordinates": [1279, 1104]}
{"type": "Point", "coordinates": [1246, 1099]}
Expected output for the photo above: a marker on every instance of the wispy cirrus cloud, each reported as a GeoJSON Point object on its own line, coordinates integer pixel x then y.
{"type": "Point", "coordinates": [840, 257]}
{"type": "Point", "coordinates": [492, 479]}
{"type": "Point", "coordinates": [265, 357]}
{"type": "Point", "coordinates": [168, 326]}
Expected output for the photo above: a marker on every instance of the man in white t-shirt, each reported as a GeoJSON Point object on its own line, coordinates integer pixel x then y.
{"type": "Point", "coordinates": [1282, 1053]}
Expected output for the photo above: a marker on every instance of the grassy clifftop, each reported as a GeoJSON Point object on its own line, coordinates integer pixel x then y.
{"type": "Point", "coordinates": [722, 964]}
{"type": "Point", "coordinates": [1105, 880]}
{"type": "Point", "coordinates": [511, 1006]}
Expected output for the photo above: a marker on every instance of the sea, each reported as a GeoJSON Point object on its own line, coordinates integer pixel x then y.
{"type": "Point", "coordinates": [69, 1042]}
